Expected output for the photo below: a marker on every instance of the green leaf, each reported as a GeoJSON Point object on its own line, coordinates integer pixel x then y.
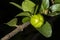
{"type": "Point", "coordinates": [25, 19]}
{"type": "Point", "coordinates": [57, 1]}
{"type": "Point", "coordinates": [12, 22]}
{"type": "Point", "coordinates": [36, 9]}
{"type": "Point", "coordinates": [46, 30]}
{"type": "Point", "coordinates": [16, 5]}
{"type": "Point", "coordinates": [23, 14]}
{"type": "Point", "coordinates": [53, 14]}
{"type": "Point", "coordinates": [44, 5]}
{"type": "Point", "coordinates": [28, 6]}
{"type": "Point", "coordinates": [55, 7]}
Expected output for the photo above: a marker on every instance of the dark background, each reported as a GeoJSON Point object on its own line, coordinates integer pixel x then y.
{"type": "Point", "coordinates": [8, 11]}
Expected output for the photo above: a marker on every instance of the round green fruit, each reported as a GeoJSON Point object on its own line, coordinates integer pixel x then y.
{"type": "Point", "coordinates": [37, 20]}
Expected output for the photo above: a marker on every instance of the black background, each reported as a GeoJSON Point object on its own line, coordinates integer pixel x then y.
{"type": "Point", "coordinates": [8, 11]}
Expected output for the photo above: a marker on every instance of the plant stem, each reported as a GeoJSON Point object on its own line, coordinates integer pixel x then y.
{"type": "Point", "coordinates": [14, 32]}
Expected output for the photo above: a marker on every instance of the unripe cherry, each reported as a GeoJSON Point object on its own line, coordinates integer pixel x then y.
{"type": "Point", "coordinates": [37, 20]}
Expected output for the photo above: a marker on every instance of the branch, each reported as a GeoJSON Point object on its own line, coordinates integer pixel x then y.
{"type": "Point", "coordinates": [14, 32]}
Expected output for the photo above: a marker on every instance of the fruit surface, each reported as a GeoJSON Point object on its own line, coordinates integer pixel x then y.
{"type": "Point", "coordinates": [37, 20]}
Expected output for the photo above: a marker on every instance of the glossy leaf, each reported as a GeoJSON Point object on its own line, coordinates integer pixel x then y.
{"type": "Point", "coordinates": [15, 4]}
{"type": "Point", "coordinates": [55, 7]}
{"type": "Point", "coordinates": [57, 1]}
{"type": "Point", "coordinates": [25, 19]}
{"type": "Point", "coordinates": [23, 14]}
{"type": "Point", "coordinates": [28, 6]}
{"type": "Point", "coordinates": [44, 5]}
{"type": "Point", "coordinates": [12, 22]}
{"type": "Point", "coordinates": [46, 30]}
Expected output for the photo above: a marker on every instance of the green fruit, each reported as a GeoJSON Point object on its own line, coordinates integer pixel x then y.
{"type": "Point", "coordinates": [37, 20]}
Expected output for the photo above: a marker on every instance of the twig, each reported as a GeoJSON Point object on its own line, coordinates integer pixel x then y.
{"type": "Point", "coordinates": [14, 32]}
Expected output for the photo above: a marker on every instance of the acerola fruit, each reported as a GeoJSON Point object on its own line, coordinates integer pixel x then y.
{"type": "Point", "coordinates": [37, 20]}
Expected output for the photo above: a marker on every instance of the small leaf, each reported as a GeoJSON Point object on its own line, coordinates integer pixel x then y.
{"type": "Point", "coordinates": [36, 9]}
{"type": "Point", "coordinates": [16, 5]}
{"type": "Point", "coordinates": [28, 6]}
{"type": "Point", "coordinates": [55, 7]}
{"type": "Point", "coordinates": [44, 5]}
{"type": "Point", "coordinates": [23, 14]}
{"type": "Point", "coordinates": [12, 22]}
{"type": "Point", "coordinates": [57, 1]}
{"type": "Point", "coordinates": [46, 30]}
{"type": "Point", "coordinates": [53, 14]}
{"type": "Point", "coordinates": [25, 19]}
